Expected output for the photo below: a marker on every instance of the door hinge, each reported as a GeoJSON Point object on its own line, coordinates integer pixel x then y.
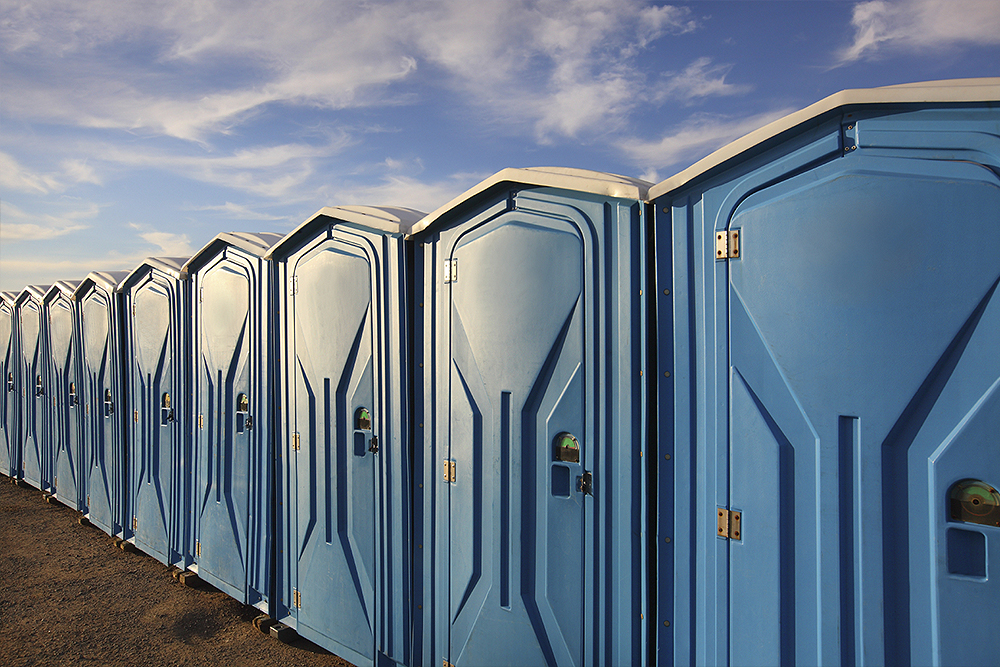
{"type": "Point", "coordinates": [295, 442]}
{"type": "Point", "coordinates": [133, 308]}
{"type": "Point", "coordinates": [296, 598]}
{"type": "Point", "coordinates": [135, 416]}
{"type": "Point", "coordinates": [135, 523]}
{"type": "Point", "coordinates": [727, 244]}
{"type": "Point", "coordinates": [449, 471]}
{"type": "Point", "coordinates": [450, 271]}
{"type": "Point", "coordinates": [197, 549]}
{"type": "Point", "coordinates": [293, 285]}
{"type": "Point", "coordinates": [729, 523]}
{"type": "Point", "coordinates": [201, 421]}
{"type": "Point", "coordinates": [201, 294]}
{"type": "Point", "coordinates": [88, 500]}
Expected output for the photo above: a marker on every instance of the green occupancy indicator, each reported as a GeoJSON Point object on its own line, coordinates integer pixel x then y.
{"type": "Point", "coordinates": [975, 501]}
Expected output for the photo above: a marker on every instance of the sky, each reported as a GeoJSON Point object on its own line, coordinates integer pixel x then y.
{"type": "Point", "coordinates": [136, 128]}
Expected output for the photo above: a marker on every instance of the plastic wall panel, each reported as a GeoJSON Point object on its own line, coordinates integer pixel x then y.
{"type": "Point", "coordinates": [105, 466]}
{"type": "Point", "coordinates": [232, 441]}
{"type": "Point", "coordinates": [10, 395]}
{"type": "Point", "coordinates": [158, 440]}
{"type": "Point", "coordinates": [64, 406]}
{"type": "Point", "coordinates": [832, 384]}
{"type": "Point", "coordinates": [344, 485]}
{"type": "Point", "coordinates": [540, 336]}
{"type": "Point", "coordinates": [32, 385]}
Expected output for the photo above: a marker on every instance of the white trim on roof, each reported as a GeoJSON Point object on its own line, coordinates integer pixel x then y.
{"type": "Point", "coordinates": [928, 92]}
{"type": "Point", "coordinates": [390, 219]}
{"type": "Point", "coordinates": [564, 178]}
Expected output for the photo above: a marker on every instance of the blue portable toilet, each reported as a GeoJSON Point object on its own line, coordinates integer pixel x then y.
{"type": "Point", "coordinates": [231, 462]}
{"type": "Point", "coordinates": [155, 301]}
{"type": "Point", "coordinates": [343, 467]}
{"type": "Point", "coordinates": [827, 453]}
{"type": "Point", "coordinates": [10, 399]}
{"type": "Point", "coordinates": [63, 405]}
{"type": "Point", "coordinates": [102, 437]}
{"type": "Point", "coordinates": [530, 330]}
{"type": "Point", "coordinates": [30, 378]}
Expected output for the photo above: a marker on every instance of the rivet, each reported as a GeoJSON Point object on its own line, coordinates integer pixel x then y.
{"type": "Point", "coordinates": [640, 454]}
{"type": "Point", "coordinates": [666, 374]}
{"type": "Point", "coordinates": [420, 546]}
{"type": "Point", "coordinates": [421, 365]}
{"type": "Point", "coordinates": [666, 292]}
{"type": "Point", "coordinates": [667, 540]}
{"type": "Point", "coordinates": [421, 424]}
{"type": "Point", "coordinates": [666, 624]}
{"type": "Point", "coordinates": [421, 304]}
{"type": "Point", "coordinates": [640, 292]}
{"type": "Point", "coordinates": [666, 456]}
{"type": "Point", "coordinates": [420, 486]}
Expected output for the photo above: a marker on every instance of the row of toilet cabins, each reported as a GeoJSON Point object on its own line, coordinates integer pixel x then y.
{"type": "Point", "coordinates": [745, 416]}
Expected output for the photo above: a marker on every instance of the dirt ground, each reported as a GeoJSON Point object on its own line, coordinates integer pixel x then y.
{"type": "Point", "coordinates": [68, 596]}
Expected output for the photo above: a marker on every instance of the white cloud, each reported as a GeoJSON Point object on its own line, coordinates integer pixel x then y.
{"type": "Point", "coordinates": [699, 80]}
{"type": "Point", "coordinates": [18, 225]}
{"type": "Point", "coordinates": [407, 191]}
{"type": "Point", "coordinates": [15, 176]}
{"type": "Point", "coordinates": [557, 67]}
{"type": "Point", "coordinates": [910, 25]}
{"type": "Point", "coordinates": [241, 212]}
{"type": "Point", "coordinates": [692, 140]}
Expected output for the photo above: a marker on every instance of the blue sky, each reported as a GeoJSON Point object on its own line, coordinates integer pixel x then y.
{"type": "Point", "coordinates": [131, 128]}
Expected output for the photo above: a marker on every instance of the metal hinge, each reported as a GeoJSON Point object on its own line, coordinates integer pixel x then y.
{"type": "Point", "coordinates": [201, 294]}
{"type": "Point", "coordinates": [135, 416]}
{"type": "Point", "coordinates": [729, 523]}
{"type": "Point", "coordinates": [727, 244]}
{"type": "Point", "coordinates": [88, 500]}
{"type": "Point", "coordinates": [293, 285]}
{"type": "Point", "coordinates": [450, 271]}
{"type": "Point", "coordinates": [201, 421]}
{"type": "Point", "coordinates": [133, 308]}
{"type": "Point", "coordinates": [135, 523]}
{"type": "Point", "coordinates": [449, 471]}
{"type": "Point", "coordinates": [197, 549]}
{"type": "Point", "coordinates": [296, 598]}
{"type": "Point", "coordinates": [295, 442]}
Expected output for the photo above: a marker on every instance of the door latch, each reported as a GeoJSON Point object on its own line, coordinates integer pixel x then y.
{"type": "Point", "coordinates": [585, 484]}
{"type": "Point", "coordinates": [373, 445]}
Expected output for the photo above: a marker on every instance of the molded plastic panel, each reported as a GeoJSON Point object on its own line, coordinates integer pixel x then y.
{"type": "Point", "coordinates": [232, 443]}
{"type": "Point", "coordinates": [160, 475]}
{"type": "Point", "coordinates": [833, 383]}
{"type": "Point", "coordinates": [10, 398]}
{"type": "Point", "coordinates": [105, 410]}
{"type": "Point", "coordinates": [64, 403]}
{"type": "Point", "coordinates": [344, 468]}
{"type": "Point", "coordinates": [536, 336]}
{"type": "Point", "coordinates": [34, 451]}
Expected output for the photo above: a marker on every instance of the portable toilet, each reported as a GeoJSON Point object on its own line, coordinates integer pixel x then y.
{"type": "Point", "coordinates": [10, 398]}
{"type": "Point", "coordinates": [156, 304]}
{"type": "Point", "coordinates": [102, 460]}
{"type": "Point", "coordinates": [530, 330]}
{"type": "Point", "coordinates": [343, 466]}
{"type": "Point", "coordinates": [30, 379]}
{"type": "Point", "coordinates": [827, 457]}
{"type": "Point", "coordinates": [231, 461]}
{"type": "Point", "coordinates": [63, 407]}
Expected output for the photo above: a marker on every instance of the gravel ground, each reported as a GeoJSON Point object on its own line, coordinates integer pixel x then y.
{"type": "Point", "coordinates": [68, 596]}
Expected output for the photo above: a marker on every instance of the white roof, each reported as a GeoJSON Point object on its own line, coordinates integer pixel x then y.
{"type": "Point", "coordinates": [66, 287]}
{"type": "Point", "coordinates": [564, 178]}
{"type": "Point", "coordinates": [255, 243]}
{"type": "Point", "coordinates": [954, 90]}
{"type": "Point", "coordinates": [390, 219]}
{"type": "Point", "coordinates": [173, 266]}
{"type": "Point", "coordinates": [109, 280]}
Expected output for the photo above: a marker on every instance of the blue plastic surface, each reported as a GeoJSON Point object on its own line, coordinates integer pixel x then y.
{"type": "Point", "coordinates": [103, 461]}
{"type": "Point", "coordinates": [537, 331]}
{"type": "Point", "coordinates": [231, 348]}
{"type": "Point", "coordinates": [10, 393]}
{"type": "Point", "coordinates": [63, 404]}
{"type": "Point", "coordinates": [31, 379]}
{"type": "Point", "coordinates": [343, 469]}
{"type": "Point", "coordinates": [831, 384]}
{"type": "Point", "coordinates": [157, 380]}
